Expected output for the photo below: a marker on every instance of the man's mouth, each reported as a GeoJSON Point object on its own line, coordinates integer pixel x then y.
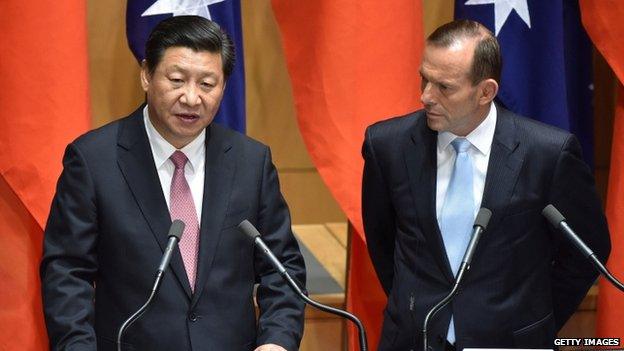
{"type": "Point", "coordinates": [188, 117]}
{"type": "Point", "coordinates": [430, 113]}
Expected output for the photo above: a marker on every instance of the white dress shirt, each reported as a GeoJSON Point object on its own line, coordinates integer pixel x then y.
{"type": "Point", "coordinates": [481, 144]}
{"type": "Point", "coordinates": [194, 171]}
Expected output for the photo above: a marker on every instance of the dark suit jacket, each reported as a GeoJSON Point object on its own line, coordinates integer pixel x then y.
{"type": "Point", "coordinates": [108, 227]}
{"type": "Point", "coordinates": [526, 279]}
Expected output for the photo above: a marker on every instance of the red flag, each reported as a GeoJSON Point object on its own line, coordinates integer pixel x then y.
{"type": "Point", "coordinates": [43, 105]}
{"type": "Point", "coordinates": [603, 22]}
{"type": "Point", "coordinates": [610, 299]}
{"type": "Point", "coordinates": [365, 297]}
{"type": "Point", "coordinates": [351, 63]}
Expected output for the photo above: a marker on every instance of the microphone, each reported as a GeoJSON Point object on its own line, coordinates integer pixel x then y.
{"type": "Point", "coordinates": [479, 226]}
{"type": "Point", "coordinates": [480, 223]}
{"type": "Point", "coordinates": [248, 229]}
{"type": "Point", "coordinates": [175, 232]}
{"type": "Point", "coordinates": [558, 221]}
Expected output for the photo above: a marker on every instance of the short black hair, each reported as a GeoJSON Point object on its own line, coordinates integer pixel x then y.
{"type": "Point", "coordinates": [487, 60]}
{"type": "Point", "coordinates": [193, 32]}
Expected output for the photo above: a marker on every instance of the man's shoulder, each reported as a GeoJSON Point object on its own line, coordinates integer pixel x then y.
{"type": "Point", "coordinates": [246, 149]}
{"type": "Point", "coordinates": [534, 131]}
{"type": "Point", "coordinates": [397, 126]}
{"type": "Point", "coordinates": [104, 137]}
{"type": "Point", "coordinates": [235, 138]}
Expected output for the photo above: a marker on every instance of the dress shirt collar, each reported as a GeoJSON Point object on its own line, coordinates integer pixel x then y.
{"type": "Point", "coordinates": [481, 137]}
{"type": "Point", "coordinates": [162, 149]}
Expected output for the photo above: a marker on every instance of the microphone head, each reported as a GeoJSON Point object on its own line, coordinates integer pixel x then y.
{"type": "Point", "coordinates": [248, 229]}
{"type": "Point", "coordinates": [176, 229]}
{"type": "Point", "coordinates": [553, 215]}
{"type": "Point", "coordinates": [483, 217]}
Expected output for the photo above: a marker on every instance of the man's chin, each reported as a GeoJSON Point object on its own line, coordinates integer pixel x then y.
{"type": "Point", "coordinates": [435, 123]}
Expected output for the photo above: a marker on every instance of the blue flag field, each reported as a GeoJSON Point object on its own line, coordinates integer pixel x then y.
{"type": "Point", "coordinates": [547, 61]}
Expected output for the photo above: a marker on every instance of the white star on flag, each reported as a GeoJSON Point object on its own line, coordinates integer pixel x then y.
{"type": "Point", "coordinates": [502, 10]}
{"type": "Point", "coordinates": [181, 7]}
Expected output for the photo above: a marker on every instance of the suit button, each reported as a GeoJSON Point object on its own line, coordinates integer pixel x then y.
{"type": "Point", "coordinates": [440, 339]}
{"type": "Point", "coordinates": [193, 317]}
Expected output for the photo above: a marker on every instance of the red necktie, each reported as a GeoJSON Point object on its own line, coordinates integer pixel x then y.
{"type": "Point", "coordinates": [182, 207]}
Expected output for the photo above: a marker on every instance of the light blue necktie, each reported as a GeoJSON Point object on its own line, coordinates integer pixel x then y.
{"type": "Point", "coordinates": [457, 214]}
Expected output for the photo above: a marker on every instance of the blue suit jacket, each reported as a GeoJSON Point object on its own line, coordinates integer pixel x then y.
{"type": "Point", "coordinates": [525, 280]}
{"type": "Point", "coordinates": [107, 231]}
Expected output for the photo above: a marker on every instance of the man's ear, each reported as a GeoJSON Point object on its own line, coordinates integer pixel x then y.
{"type": "Point", "coordinates": [489, 89]}
{"type": "Point", "coordinates": [145, 76]}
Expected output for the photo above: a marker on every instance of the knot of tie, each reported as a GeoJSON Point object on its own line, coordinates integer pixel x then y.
{"type": "Point", "coordinates": [179, 159]}
{"type": "Point", "coordinates": [460, 145]}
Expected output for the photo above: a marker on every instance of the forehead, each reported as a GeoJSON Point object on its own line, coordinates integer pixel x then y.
{"type": "Point", "coordinates": [450, 62]}
{"type": "Point", "coordinates": [187, 59]}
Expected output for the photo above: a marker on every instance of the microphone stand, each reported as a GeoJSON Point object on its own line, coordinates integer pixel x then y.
{"type": "Point", "coordinates": [136, 315]}
{"type": "Point", "coordinates": [440, 305]}
{"type": "Point", "coordinates": [605, 272]}
{"type": "Point", "coordinates": [332, 310]}
{"type": "Point", "coordinates": [175, 232]}
{"type": "Point", "coordinates": [558, 221]}
{"type": "Point", "coordinates": [247, 228]}
{"type": "Point", "coordinates": [481, 222]}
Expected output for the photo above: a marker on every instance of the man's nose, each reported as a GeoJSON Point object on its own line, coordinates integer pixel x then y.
{"type": "Point", "coordinates": [190, 96]}
{"type": "Point", "coordinates": [426, 96]}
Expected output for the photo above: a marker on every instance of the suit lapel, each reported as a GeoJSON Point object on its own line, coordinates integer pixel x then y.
{"type": "Point", "coordinates": [421, 163]}
{"type": "Point", "coordinates": [220, 166]}
{"type": "Point", "coordinates": [503, 167]}
{"type": "Point", "coordinates": [134, 156]}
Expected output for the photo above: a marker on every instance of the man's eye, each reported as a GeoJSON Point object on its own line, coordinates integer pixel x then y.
{"type": "Point", "coordinates": [207, 85]}
{"type": "Point", "coordinates": [176, 80]}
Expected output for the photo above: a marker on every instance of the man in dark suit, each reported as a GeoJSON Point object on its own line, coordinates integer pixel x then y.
{"type": "Point", "coordinates": [427, 174]}
{"type": "Point", "coordinates": [123, 184]}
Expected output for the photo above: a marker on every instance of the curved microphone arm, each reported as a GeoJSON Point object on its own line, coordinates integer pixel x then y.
{"type": "Point", "coordinates": [247, 228]}
{"type": "Point", "coordinates": [136, 315]}
{"type": "Point", "coordinates": [440, 305]}
{"type": "Point", "coordinates": [480, 224]}
{"type": "Point", "coordinates": [558, 221]}
{"type": "Point", "coordinates": [175, 232]}
{"type": "Point", "coordinates": [605, 272]}
{"type": "Point", "coordinates": [332, 310]}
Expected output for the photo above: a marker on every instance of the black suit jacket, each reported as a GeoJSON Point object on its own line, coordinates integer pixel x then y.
{"type": "Point", "coordinates": [525, 280]}
{"type": "Point", "coordinates": [107, 231]}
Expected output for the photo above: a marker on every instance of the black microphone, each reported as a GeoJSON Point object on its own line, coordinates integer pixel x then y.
{"type": "Point", "coordinates": [247, 228]}
{"type": "Point", "coordinates": [558, 221]}
{"type": "Point", "coordinates": [479, 226]}
{"type": "Point", "coordinates": [480, 223]}
{"type": "Point", "coordinates": [175, 232]}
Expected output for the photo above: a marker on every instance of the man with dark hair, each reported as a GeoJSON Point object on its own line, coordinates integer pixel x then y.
{"type": "Point", "coordinates": [124, 183]}
{"type": "Point", "coordinates": [426, 175]}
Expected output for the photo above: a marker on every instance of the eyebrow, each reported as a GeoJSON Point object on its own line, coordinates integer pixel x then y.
{"type": "Point", "coordinates": [176, 67]}
{"type": "Point", "coordinates": [443, 82]}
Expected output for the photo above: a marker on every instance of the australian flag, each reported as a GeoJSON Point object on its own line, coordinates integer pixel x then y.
{"type": "Point", "coordinates": [143, 15]}
{"type": "Point", "coordinates": [547, 61]}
